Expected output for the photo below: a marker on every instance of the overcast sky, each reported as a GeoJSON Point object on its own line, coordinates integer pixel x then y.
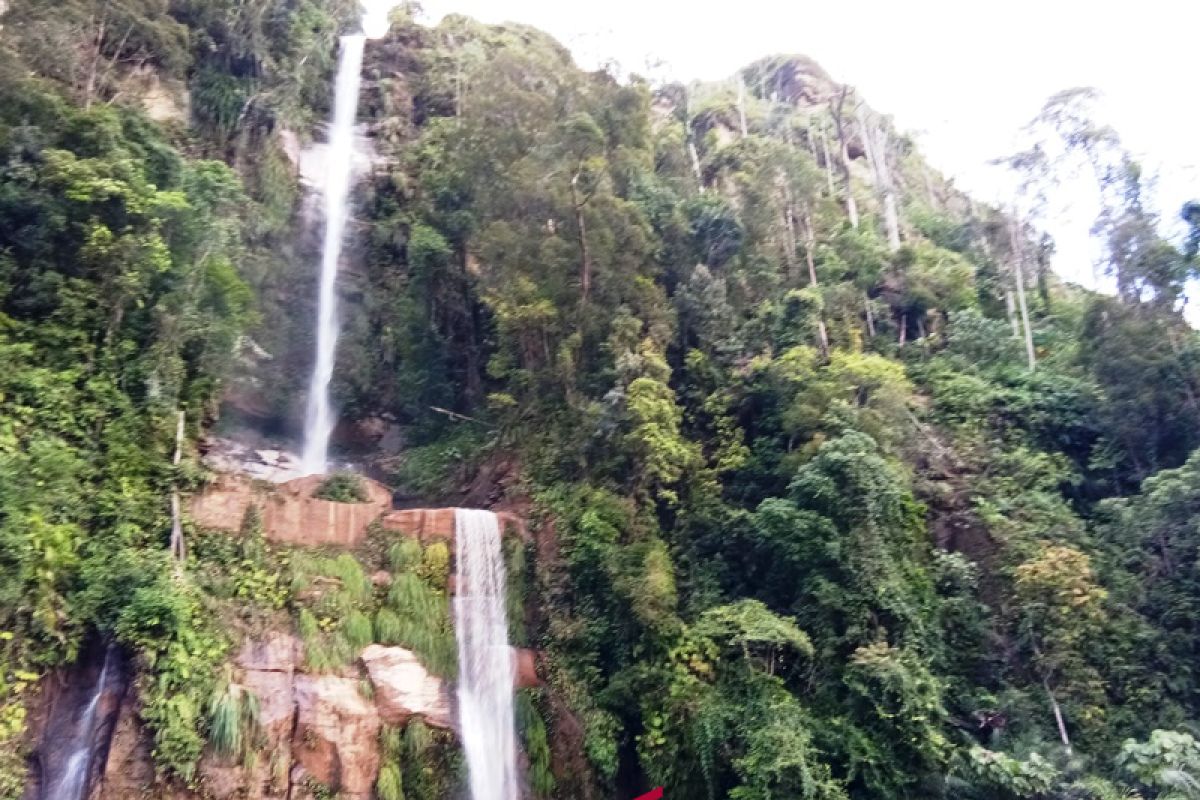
{"type": "Point", "coordinates": [963, 75]}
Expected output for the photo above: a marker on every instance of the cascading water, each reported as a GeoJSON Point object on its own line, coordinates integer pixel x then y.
{"type": "Point", "coordinates": [71, 783]}
{"type": "Point", "coordinates": [319, 418]}
{"type": "Point", "coordinates": [485, 662]}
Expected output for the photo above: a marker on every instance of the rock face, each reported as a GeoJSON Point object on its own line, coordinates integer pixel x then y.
{"type": "Point", "coordinates": [437, 524]}
{"type": "Point", "coordinates": [289, 511]}
{"type": "Point", "coordinates": [404, 688]}
{"type": "Point", "coordinates": [526, 668]}
{"type": "Point", "coordinates": [423, 524]}
{"type": "Point", "coordinates": [319, 730]}
{"type": "Point", "coordinates": [336, 739]}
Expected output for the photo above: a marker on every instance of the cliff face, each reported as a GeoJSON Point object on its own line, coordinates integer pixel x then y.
{"type": "Point", "coordinates": [315, 730]}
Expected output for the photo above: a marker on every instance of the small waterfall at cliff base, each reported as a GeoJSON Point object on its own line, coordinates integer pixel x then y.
{"type": "Point", "coordinates": [485, 661]}
{"type": "Point", "coordinates": [75, 741]}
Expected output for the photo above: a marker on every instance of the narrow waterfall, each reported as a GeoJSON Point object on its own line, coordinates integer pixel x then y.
{"type": "Point", "coordinates": [319, 417]}
{"type": "Point", "coordinates": [71, 782]}
{"type": "Point", "coordinates": [485, 661]}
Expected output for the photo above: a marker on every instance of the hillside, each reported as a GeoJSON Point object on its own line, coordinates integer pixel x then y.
{"type": "Point", "coordinates": [817, 482]}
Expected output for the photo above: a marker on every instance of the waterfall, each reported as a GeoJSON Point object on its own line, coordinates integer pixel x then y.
{"type": "Point", "coordinates": [319, 418]}
{"type": "Point", "coordinates": [72, 781]}
{"type": "Point", "coordinates": [485, 661]}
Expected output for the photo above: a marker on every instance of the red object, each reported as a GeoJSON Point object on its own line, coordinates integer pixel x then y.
{"type": "Point", "coordinates": [653, 794]}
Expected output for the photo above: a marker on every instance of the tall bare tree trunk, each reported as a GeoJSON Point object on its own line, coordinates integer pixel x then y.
{"type": "Point", "coordinates": [789, 219]}
{"type": "Point", "coordinates": [870, 314]}
{"type": "Point", "coordinates": [810, 244]}
{"type": "Point", "coordinates": [876, 147]}
{"type": "Point", "coordinates": [1019, 276]}
{"type": "Point", "coordinates": [1058, 718]}
{"type": "Point", "coordinates": [742, 106]}
{"type": "Point", "coordinates": [891, 219]}
{"type": "Point", "coordinates": [828, 161]}
{"type": "Point", "coordinates": [933, 201]}
{"type": "Point", "coordinates": [691, 140]}
{"type": "Point", "coordinates": [839, 123]}
{"type": "Point", "coordinates": [178, 549]}
{"type": "Point", "coordinates": [89, 89]}
{"type": "Point", "coordinates": [585, 267]}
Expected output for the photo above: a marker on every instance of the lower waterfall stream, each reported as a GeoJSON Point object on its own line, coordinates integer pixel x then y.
{"type": "Point", "coordinates": [485, 662]}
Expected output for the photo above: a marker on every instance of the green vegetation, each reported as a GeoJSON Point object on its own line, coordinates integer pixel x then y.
{"type": "Point", "coordinates": [342, 487]}
{"type": "Point", "coordinates": [819, 527]}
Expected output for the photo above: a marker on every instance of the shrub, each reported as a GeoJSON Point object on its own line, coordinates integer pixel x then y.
{"type": "Point", "coordinates": [342, 487]}
{"type": "Point", "coordinates": [405, 555]}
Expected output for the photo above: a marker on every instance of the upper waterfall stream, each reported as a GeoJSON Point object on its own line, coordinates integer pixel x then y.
{"type": "Point", "coordinates": [485, 662]}
{"type": "Point", "coordinates": [319, 417]}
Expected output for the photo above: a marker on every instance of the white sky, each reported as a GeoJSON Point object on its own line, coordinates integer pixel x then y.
{"type": "Point", "coordinates": [962, 75]}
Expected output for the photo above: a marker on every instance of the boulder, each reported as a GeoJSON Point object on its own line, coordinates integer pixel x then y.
{"type": "Point", "coordinates": [335, 741]}
{"type": "Point", "coordinates": [404, 688]}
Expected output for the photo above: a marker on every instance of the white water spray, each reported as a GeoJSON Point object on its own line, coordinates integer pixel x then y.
{"type": "Point", "coordinates": [485, 661]}
{"type": "Point", "coordinates": [319, 418]}
{"type": "Point", "coordinates": [72, 783]}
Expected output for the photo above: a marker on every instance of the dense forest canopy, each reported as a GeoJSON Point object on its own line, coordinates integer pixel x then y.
{"type": "Point", "coordinates": [848, 495]}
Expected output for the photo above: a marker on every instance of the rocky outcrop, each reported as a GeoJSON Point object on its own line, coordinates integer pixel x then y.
{"type": "Point", "coordinates": [290, 513]}
{"type": "Point", "coordinates": [404, 688]}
